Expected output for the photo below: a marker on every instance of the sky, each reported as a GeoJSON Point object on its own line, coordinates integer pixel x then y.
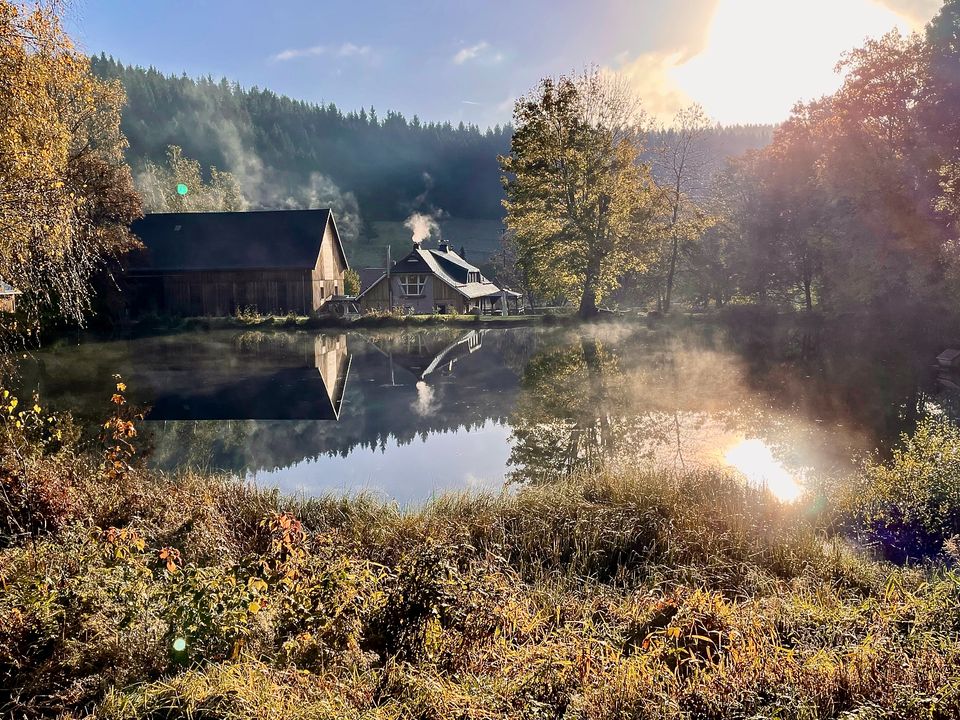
{"type": "Point", "coordinates": [745, 61]}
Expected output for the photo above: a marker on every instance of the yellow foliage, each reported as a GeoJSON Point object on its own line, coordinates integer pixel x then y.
{"type": "Point", "coordinates": [66, 195]}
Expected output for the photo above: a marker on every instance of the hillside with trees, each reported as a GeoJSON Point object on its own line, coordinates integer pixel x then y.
{"type": "Point", "coordinates": [279, 148]}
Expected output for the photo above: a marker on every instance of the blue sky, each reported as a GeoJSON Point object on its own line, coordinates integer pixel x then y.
{"type": "Point", "coordinates": [469, 59]}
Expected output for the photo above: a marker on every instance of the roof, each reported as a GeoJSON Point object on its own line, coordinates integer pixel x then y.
{"type": "Point", "coordinates": [452, 269]}
{"type": "Point", "coordinates": [8, 289]}
{"type": "Point", "coordinates": [445, 265]}
{"type": "Point", "coordinates": [369, 276]}
{"type": "Point", "coordinates": [232, 240]}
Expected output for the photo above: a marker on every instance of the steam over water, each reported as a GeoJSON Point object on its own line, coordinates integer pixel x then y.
{"type": "Point", "coordinates": [407, 413]}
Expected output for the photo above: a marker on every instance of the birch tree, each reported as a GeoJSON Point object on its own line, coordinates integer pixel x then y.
{"type": "Point", "coordinates": [66, 195]}
{"type": "Point", "coordinates": [682, 167]}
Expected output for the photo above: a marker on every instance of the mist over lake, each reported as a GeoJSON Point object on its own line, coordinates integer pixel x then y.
{"type": "Point", "coordinates": [407, 413]}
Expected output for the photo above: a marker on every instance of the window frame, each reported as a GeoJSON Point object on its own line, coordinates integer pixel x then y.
{"type": "Point", "coordinates": [410, 281]}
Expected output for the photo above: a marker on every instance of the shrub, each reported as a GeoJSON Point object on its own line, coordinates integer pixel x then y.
{"type": "Point", "coordinates": [910, 505]}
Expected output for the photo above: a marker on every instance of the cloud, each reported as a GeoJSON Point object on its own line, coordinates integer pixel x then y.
{"type": "Point", "coordinates": [345, 50]}
{"type": "Point", "coordinates": [753, 59]}
{"type": "Point", "coordinates": [649, 74]}
{"type": "Point", "coordinates": [470, 102]}
{"type": "Point", "coordinates": [473, 52]}
{"type": "Point", "coordinates": [918, 12]}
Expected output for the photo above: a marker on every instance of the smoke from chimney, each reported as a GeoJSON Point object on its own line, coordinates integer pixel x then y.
{"type": "Point", "coordinates": [422, 227]}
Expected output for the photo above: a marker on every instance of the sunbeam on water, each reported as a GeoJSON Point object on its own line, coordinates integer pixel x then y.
{"type": "Point", "coordinates": [754, 459]}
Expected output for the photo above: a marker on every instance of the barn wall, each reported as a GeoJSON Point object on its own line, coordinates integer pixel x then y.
{"type": "Point", "coordinates": [329, 270]}
{"type": "Point", "coordinates": [377, 298]}
{"type": "Point", "coordinates": [222, 292]}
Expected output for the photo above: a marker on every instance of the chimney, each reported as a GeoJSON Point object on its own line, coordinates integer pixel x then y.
{"type": "Point", "coordinates": [444, 246]}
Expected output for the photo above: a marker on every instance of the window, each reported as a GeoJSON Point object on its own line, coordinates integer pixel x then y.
{"type": "Point", "coordinates": [412, 285]}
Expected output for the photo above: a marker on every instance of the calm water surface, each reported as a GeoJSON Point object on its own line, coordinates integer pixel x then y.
{"type": "Point", "coordinates": [407, 413]}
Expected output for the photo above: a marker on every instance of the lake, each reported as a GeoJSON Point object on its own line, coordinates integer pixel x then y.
{"type": "Point", "coordinates": [408, 412]}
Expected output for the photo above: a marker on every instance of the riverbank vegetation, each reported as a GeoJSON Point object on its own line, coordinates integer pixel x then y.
{"type": "Point", "coordinates": [631, 593]}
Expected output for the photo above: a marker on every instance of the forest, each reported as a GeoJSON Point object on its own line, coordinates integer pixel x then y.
{"type": "Point", "coordinates": [275, 145]}
{"type": "Point", "coordinates": [851, 208]}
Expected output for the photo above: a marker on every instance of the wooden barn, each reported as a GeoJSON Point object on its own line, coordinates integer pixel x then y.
{"type": "Point", "coordinates": [218, 263]}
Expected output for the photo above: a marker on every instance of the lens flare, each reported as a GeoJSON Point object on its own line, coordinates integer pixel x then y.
{"type": "Point", "coordinates": [182, 189]}
{"type": "Point", "coordinates": [180, 644]}
{"type": "Point", "coordinates": [754, 459]}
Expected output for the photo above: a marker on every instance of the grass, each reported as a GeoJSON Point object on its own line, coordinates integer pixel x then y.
{"type": "Point", "coordinates": [152, 325]}
{"type": "Point", "coordinates": [637, 594]}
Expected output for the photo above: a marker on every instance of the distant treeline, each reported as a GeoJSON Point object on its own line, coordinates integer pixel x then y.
{"type": "Point", "coordinates": [276, 146]}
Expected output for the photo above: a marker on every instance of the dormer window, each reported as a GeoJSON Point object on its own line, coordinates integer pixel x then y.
{"type": "Point", "coordinates": [412, 285]}
{"type": "Point", "coordinates": [473, 277]}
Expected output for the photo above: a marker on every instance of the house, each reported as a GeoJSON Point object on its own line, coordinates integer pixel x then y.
{"type": "Point", "coordinates": [429, 281]}
{"type": "Point", "coordinates": [8, 297]}
{"type": "Point", "coordinates": [217, 263]}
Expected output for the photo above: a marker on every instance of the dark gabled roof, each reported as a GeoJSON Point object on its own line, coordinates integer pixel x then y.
{"type": "Point", "coordinates": [448, 267]}
{"type": "Point", "coordinates": [414, 262]}
{"type": "Point", "coordinates": [369, 276]}
{"type": "Point", "coordinates": [231, 240]}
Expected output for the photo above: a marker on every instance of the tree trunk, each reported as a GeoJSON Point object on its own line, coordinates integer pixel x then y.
{"type": "Point", "coordinates": [670, 274]}
{"type": "Point", "coordinates": [588, 301]}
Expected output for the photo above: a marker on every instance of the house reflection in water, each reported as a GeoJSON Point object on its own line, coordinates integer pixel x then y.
{"type": "Point", "coordinates": [257, 376]}
{"type": "Point", "coordinates": [446, 358]}
{"type": "Point", "coordinates": [424, 353]}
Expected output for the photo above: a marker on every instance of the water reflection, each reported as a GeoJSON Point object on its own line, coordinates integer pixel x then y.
{"type": "Point", "coordinates": [257, 376]}
{"type": "Point", "coordinates": [408, 412]}
{"type": "Point", "coordinates": [755, 461]}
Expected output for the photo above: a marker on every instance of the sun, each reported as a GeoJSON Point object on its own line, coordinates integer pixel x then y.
{"type": "Point", "coordinates": [763, 56]}
{"type": "Point", "coordinates": [754, 459]}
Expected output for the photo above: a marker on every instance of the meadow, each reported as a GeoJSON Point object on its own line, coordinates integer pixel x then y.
{"type": "Point", "coordinates": [127, 593]}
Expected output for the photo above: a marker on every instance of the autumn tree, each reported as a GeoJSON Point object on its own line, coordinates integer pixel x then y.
{"type": "Point", "coordinates": [66, 195]}
{"type": "Point", "coordinates": [178, 186]}
{"type": "Point", "coordinates": [841, 208]}
{"type": "Point", "coordinates": [580, 202]}
{"type": "Point", "coordinates": [682, 165]}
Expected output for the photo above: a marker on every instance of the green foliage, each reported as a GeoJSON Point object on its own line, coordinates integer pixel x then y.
{"type": "Point", "coordinates": [351, 282]}
{"type": "Point", "coordinates": [160, 186]}
{"type": "Point", "coordinates": [911, 504]}
{"type": "Point", "coordinates": [580, 202]}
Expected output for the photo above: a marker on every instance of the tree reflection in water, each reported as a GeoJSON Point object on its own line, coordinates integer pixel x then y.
{"type": "Point", "coordinates": [575, 413]}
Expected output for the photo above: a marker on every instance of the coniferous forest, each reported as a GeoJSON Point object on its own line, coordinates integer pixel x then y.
{"type": "Point", "coordinates": [280, 148]}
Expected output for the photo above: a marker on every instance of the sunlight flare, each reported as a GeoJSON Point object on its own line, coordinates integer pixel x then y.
{"type": "Point", "coordinates": [755, 461]}
{"type": "Point", "coordinates": [763, 56]}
